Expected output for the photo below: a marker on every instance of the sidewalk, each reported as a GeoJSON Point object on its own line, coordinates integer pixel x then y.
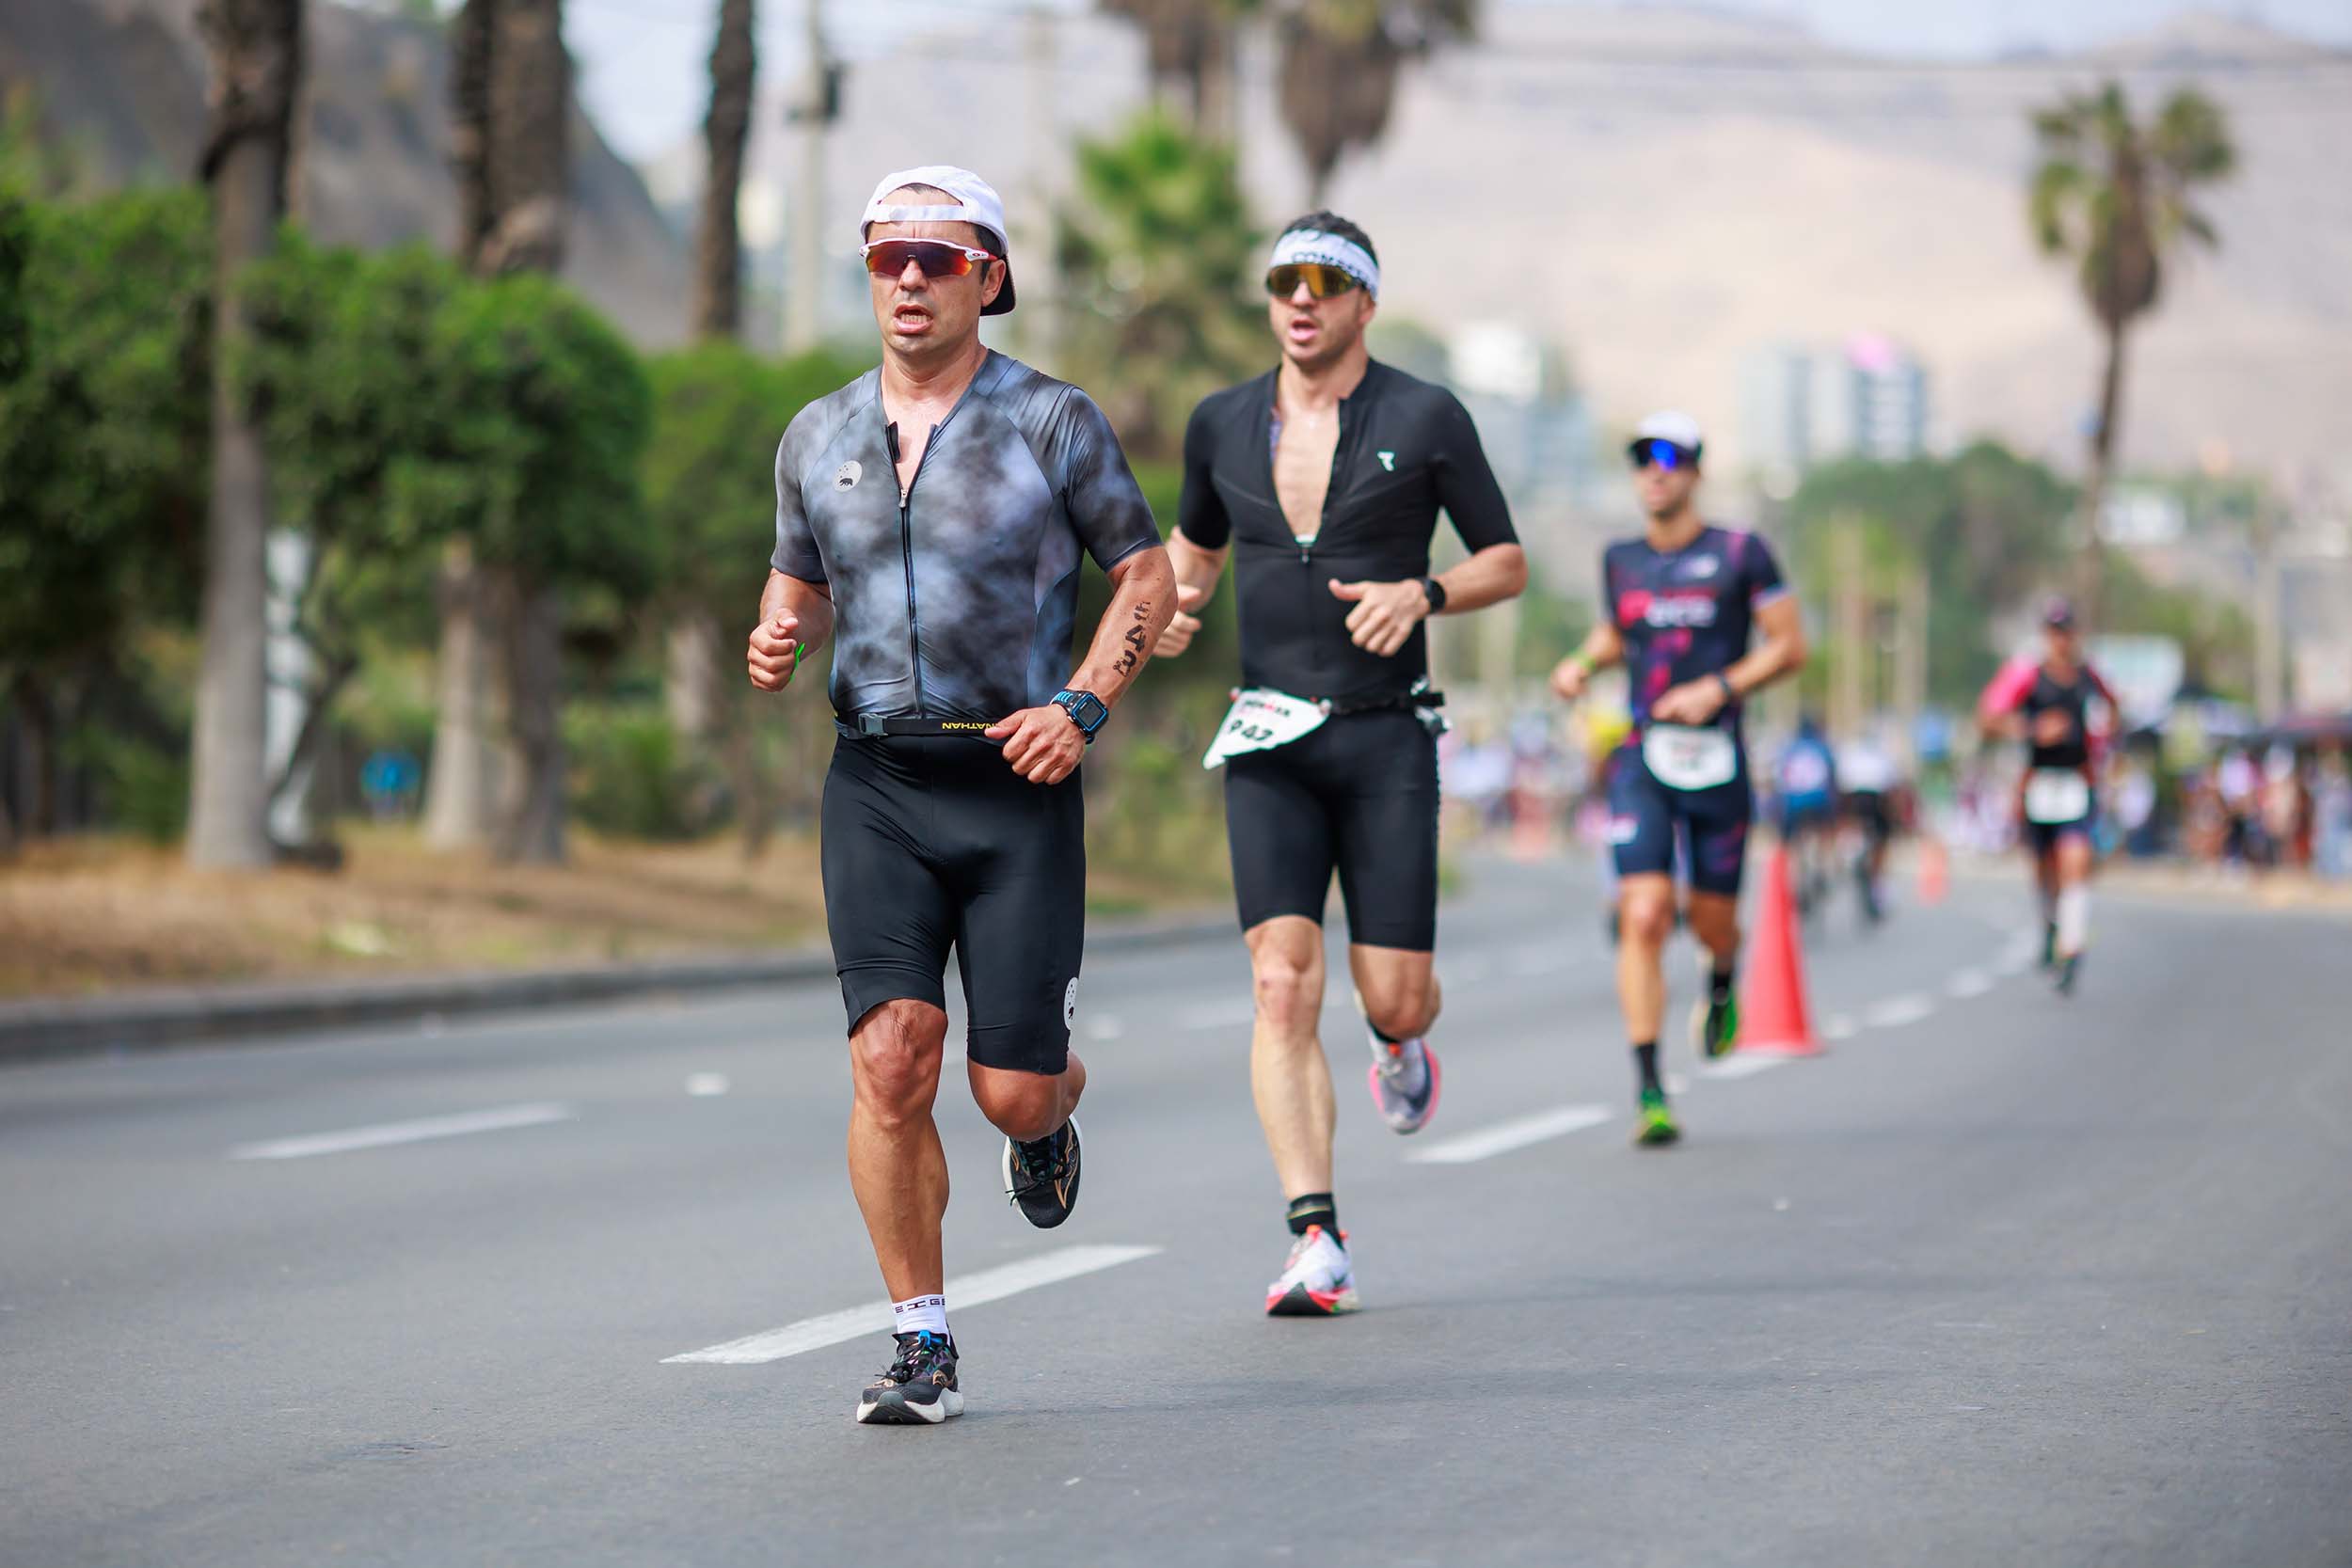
{"type": "Point", "coordinates": [146, 1019]}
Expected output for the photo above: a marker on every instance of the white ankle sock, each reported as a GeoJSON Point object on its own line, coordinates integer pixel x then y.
{"type": "Point", "coordinates": [2074, 919]}
{"type": "Point", "coordinates": [920, 1313]}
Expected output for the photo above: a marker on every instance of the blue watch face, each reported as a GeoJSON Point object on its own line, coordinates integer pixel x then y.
{"type": "Point", "coordinates": [1085, 707]}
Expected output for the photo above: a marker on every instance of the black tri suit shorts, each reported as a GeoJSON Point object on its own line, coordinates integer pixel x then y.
{"type": "Point", "coordinates": [1357, 795]}
{"type": "Point", "coordinates": [932, 842]}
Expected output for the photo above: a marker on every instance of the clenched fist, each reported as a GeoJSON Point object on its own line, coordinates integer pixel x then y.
{"type": "Point", "coordinates": [776, 651]}
{"type": "Point", "coordinates": [1184, 626]}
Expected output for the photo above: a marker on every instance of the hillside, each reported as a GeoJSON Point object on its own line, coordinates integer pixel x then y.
{"type": "Point", "coordinates": [122, 83]}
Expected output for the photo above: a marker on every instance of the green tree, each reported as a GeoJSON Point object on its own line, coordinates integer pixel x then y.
{"type": "Point", "coordinates": [104, 311]}
{"type": "Point", "coordinates": [340, 372]}
{"type": "Point", "coordinates": [2117, 197]}
{"type": "Point", "coordinates": [710, 508]}
{"type": "Point", "coordinates": [1158, 256]}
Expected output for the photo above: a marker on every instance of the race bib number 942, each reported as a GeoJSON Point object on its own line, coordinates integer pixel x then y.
{"type": "Point", "coordinates": [1260, 720]}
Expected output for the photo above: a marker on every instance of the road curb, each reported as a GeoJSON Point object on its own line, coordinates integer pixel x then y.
{"type": "Point", "coordinates": [46, 1029]}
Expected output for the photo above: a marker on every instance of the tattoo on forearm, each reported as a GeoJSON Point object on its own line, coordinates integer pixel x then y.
{"type": "Point", "coordinates": [1143, 610]}
{"type": "Point", "coordinates": [1126, 665]}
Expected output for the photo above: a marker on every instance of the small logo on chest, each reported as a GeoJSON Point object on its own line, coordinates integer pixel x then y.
{"type": "Point", "coordinates": [1388, 460]}
{"type": "Point", "coordinates": [847, 476]}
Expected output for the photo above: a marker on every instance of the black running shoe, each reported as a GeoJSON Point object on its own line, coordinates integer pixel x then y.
{"type": "Point", "coordinates": [1043, 1176]}
{"type": "Point", "coordinates": [2068, 968]}
{"type": "Point", "coordinates": [920, 1387]}
{"type": "Point", "coordinates": [2049, 944]}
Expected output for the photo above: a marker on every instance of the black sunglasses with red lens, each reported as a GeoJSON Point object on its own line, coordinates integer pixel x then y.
{"type": "Point", "coordinates": [1665, 454]}
{"type": "Point", "coordinates": [937, 258]}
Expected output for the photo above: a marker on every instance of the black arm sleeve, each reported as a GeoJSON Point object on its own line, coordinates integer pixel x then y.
{"type": "Point", "coordinates": [1200, 509]}
{"type": "Point", "coordinates": [1466, 485]}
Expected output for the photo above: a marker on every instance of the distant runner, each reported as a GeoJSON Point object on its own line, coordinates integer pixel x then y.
{"type": "Point", "coordinates": [2045, 702]}
{"type": "Point", "coordinates": [1323, 480]}
{"type": "Point", "coordinates": [1806, 785]}
{"type": "Point", "coordinates": [1868, 779]}
{"type": "Point", "coordinates": [931, 519]}
{"type": "Point", "coordinates": [1679, 606]}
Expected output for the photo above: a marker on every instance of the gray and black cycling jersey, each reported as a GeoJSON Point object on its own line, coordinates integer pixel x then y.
{"type": "Point", "coordinates": [956, 598]}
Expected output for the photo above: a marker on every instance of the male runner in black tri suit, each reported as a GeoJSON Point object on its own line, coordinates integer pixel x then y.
{"type": "Point", "coordinates": [1679, 606]}
{"type": "Point", "coordinates": [1323, 479]}
{"type": "Point", "coordinates": [2046, 703]}
{"type": "Point", "coordinates": [932, 520]}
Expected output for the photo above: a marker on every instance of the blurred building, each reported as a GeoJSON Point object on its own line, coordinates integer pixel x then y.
{"type": "Point", "coordinates": [1804, 403]}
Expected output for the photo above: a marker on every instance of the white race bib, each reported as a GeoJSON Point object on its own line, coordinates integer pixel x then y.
{"type": "Point", "coordinates": [1260, 720]}
{"type": "Point", "coordinates": [1681, 757]}
{"type": "Point", "coordinates": [2056, 795]}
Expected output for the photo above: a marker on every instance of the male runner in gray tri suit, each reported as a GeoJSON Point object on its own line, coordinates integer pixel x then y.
{"type": "Point", "coordinates": [932, 520]}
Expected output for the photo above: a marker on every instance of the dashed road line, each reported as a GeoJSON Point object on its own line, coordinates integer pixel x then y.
{"type": "Point", "coordinates": [1969, 985]}
{"type": "Point", "coordinates": [1896, 1011]}
{"type": "Point", "coordinates": [965, 1290]}
{"type": "Point", "coordinates": [1736, 1066]}
{"type": "Point", "coordinates": [1503, 1138]}
{"type": "Point", "coordinates": [387, 1133]}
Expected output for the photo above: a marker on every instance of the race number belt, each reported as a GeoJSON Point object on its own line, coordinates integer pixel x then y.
{"type": "Point", "coordinates": [2056, 795]}
{"type": "Point", "coordinates": [1682, 757]}
{"type": "Point", "coordinates": [1261, 720]}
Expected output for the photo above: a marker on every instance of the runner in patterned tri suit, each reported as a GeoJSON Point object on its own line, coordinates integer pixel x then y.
{"type": "Point", "coordinates": [1323, 480]}
{"type": "Point", "coordinates": [932, 520]}
{"type": "Point", "coordinates": [1678, 608]}
{"type": "Point", "coordinates": [2045, 702]}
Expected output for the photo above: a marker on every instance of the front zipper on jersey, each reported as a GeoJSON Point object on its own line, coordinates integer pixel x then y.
{"type": "Point", "coordinates": [906, 550]}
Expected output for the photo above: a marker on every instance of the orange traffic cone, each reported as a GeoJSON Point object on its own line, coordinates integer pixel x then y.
{"type": "Point", "coordinates": [1936, 871]}
{"type": "Point", "coordinates": [1773, 1018]}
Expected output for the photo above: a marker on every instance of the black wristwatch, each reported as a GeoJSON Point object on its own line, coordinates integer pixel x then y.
{"type": "Point", "coordinates": [1731, 692]}
{"type": "Point", "coordinates": [1436, 591]}
{"type": "Point", "coordinates": [1086, 710]}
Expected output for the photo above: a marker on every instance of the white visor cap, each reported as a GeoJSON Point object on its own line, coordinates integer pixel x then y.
{"type": "Point", "coordinates": [1671, 424]}
{"type": "Point", "coordinates": [975, 203]}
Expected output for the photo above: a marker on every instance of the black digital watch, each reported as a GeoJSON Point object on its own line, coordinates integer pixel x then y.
{"type": "Point", "coordinates": [1436, 591]}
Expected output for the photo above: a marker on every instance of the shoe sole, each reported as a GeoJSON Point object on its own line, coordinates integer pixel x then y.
{"type": "Point", "coordinates": [1436, 1087]}
{"type": "Point", "coordinates": [1656, 1137]}
{"type": "Point", "coordinates": [1005, 1165]}
{"type": "Point", "coordinates": [1300, 1302]}
{"type": "Point", "coordinates": [890, 1412]}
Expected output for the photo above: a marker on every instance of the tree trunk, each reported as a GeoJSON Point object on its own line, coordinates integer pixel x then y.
{"type": "Point", "coordinates": [753, 811]}
{"type": "Point", "coordinates": [37, 723]}
{"type": "Point", "coordinates": [256, 51]}
{"type": "Point", "coordinates": [469, 756]}
{"type": "Point", "coordinates": [691, 689]}
{"type": "Point", "coordinates": [527, 154]}
{"type": "Point", "coordinates": [469, 123]}
{"type": "Point", "coordinates": [2090, 566]}
{"type": "Point", "coordinates": [718, 247]}
{"type": "Point", "coordinates": [531, 826]}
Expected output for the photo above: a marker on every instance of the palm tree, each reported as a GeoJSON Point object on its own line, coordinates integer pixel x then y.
{"type": "Point", "coordinates": [1189, 48]}
{"type": "Point", "coordinates": [1157, 252]}
{"type": "Point", "coordinates": [718, 247]}
{"type": "Point", "coordinates": [1339, 70]}
{"type": "Point", "coordinates": [2116, 197]}
{"type": "Point", "coordinates": [255, 49]}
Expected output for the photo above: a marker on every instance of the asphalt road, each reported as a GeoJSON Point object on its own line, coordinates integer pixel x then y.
{"type": "Point", "coordinates": [2001, 1277]}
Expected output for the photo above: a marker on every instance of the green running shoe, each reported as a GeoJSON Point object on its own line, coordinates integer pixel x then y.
{"type": "Point", "coordinates": [1715, 1025]}
{"type": "Point", "coordinates": [1655, 1126]}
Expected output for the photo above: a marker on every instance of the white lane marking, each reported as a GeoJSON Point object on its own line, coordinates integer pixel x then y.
{"type": "Point", "coordinates": [702, 1084]}
{"type": "Point", "coordinates": [1896, 1011]}
{"type": "Point", "coordinates": [1505, 1136]}
{"type": "Point", "coordinates": [1967, 985]}
{"type": "Point", "coordinates": [1839, 1027]}
{"type": "Point", "coordinates": [971, 1290]}
{"type": "Point", "coordinates": [1736, 1066]}
{"type": "Point", "coordinates": [403, 1132]}
{"type": "Point", "coordinates": [1106, 1027]}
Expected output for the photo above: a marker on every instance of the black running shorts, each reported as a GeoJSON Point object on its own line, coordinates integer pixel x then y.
{"type": "Point", "coordinates": [1358, 797]}
{"type": "Point", "coordinates": [934, 842]}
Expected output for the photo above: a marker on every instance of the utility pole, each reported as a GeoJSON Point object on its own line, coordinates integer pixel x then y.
{"type": "Point", "coordinates": [2269, 611]}
{"type": "Point", "coordinates": [1911, 659]}
{"type": "Point", "coordinates": [814, 109]}
{"type": "Point", "coordinates": [1850, 616]}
